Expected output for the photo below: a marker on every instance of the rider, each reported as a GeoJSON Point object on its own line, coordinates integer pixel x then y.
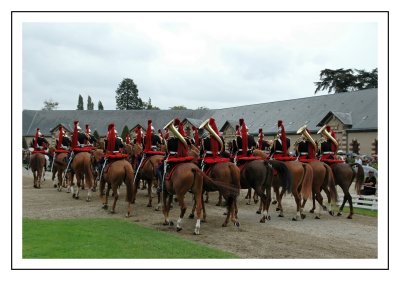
{"type": "Point", "coordinates": [329, 146]}
{"type": "Point", "coordinates": [113, 142]}
{"type": "Point", "coordinates": [63, 141]}
{"type": "Point", "coordinates": [245, 143]}
{"type": "Point", "coordinates": [262, 144]}
{"type": "Point", "coordinates": [211, 147]}
{"type": "Point", "coordinates": [305, 148]}
{"type": "Point", "coordinates": [152, 140]}
{"type": "Point", "coordinates": [196, 137]}
{"type": "Point", "coordinates": [39, 143]}
{"type": "Point", "coordinates": [128, 139]}
{"type": "Point", "coordinates": [281, 144]}
{"type": "Point", "coordinates": [90, 140]}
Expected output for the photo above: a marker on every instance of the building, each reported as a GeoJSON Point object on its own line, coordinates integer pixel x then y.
{"type": "Point", "coordinates": [353, 115]}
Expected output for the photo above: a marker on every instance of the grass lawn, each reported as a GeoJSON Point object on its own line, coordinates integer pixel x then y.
{"type": "Point", "coordinates": [106, 238]}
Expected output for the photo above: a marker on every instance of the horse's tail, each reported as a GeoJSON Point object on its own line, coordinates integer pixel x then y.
{"type": "Point", "coordinates": [306, 185]}
{"type": "Point", "coordinates": [330, 181]}
{"type": "Point", "coordinates": [87, 171]}
{"type": "Point", "coordinates": [217, 185]}
{"type": "Point", "coordinates": [359, 175]}
{"type": "Point", "coordinates": [283, 172]}
{"type": "Point", "coordinates": [129, 181]}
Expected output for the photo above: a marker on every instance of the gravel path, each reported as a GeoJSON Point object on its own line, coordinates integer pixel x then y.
{"type": "Point", "coordinates": [280, 238]}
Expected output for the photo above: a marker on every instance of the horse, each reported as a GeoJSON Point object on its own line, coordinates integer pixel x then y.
{"type": "Point", "coordinates": [58, 168]}
{"type": "Point", "coordinates": [228, 173]}
{"type": "Point", "coordinates": [186, 177]}
{"type": "Point", "coordinates": [82, 168]}
{"type": "Point", "coordinates": [344, 175]}
{"type": "Point", "coordinates": [302, 179]}
{"type": "Point", "coordinates": [258, 174]}
{"type": "Point", "coordinates": [118, 172]}
{"type": "Point", "coordinates": [322, 179]}
{"type": "Point", "coordinates": [37, 163]}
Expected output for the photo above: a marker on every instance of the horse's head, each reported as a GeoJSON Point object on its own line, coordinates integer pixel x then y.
{"type": "Point", "coordinates": [97, 155]}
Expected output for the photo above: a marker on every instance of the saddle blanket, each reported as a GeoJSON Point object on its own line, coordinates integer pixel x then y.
{"type": "Point", "coordinates": [83, 149]}
{"type": "Point", "coordinates": [116, 156]}
{"type": "Point", "coordinates": [284, 158]}
{"type": "Point", "coordinates": [39, 151]}
{"type": "Point", "coordinates": [151, 152]}
{"type": "Point", "coordinates": [61, 151]}
{"type": "Point", "coordinates": [214, 160]}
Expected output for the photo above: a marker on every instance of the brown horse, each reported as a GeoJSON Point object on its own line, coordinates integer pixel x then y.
{"type": "Point", "coordinates": [344, 175]}
{"type": "Point", "coordinates": [258, 174]}
{"type": "Point", "coordinates": [58, 168]}
{"type": "Point", "coordinates": [302, 179]}
{"type": "Point", "coordinates": [117, 172]}
{"type": "Point", "coordinates": [322, 180]}
{"type": "Point", "coordinates": [228, 173]}
{"type": "Point", "coordinates": [37, 162]}
{"type": "Point", "coordinates": [186, 177]}
{"type": "Point", "coordinates": [82, 168]}
{"type": "Point", "coordinates": [148, 173]}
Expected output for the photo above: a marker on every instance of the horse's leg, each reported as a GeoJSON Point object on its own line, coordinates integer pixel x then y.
{"type": "Point", "coordinates": [149, 187]}
{"type": "Point", "coordinates": [180, 198]}
{"type": "Point", "coordinates": [53, 176]}
{"type": "Point", "coordinates": [78, 186]}
{"type": "Point", "coordinates": [199, 205]}
{"type": "Point", "coordinates": [248, 195]}
{"type": "Point", "coordinates": [219, 203]}
{"type": "Point", "coordinates": [34, 179]}
{"type": "Point", "coordinates": [279, 196]}
{"type": "Point", "coordinates": [165, 208]}
{"type": "Point", "coordinates": [297, 199]}
{"type": "Point", "coordinates": [207, 197]}
{"type": "Point", "coordinates": [103, 195]}
{"type": "Point", "coordinates": [328, 196]}
{"type": "Point", "coordinates": [255, 198]}
{"type": "Point", "coordinates": [115, 190]}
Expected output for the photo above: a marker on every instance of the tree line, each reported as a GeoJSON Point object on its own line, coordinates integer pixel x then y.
{"type": "Point", "coordinates": [334, 80]}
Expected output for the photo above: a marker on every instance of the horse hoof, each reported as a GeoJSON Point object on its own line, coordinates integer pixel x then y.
{"type": "Point", "coordinates": [191, 216]}
{"type": "Point", "coordinates": [88, 200]}
{"type": "Point", "coordinates": [317, 217]}
{"type": "Point", "coordinates": [248, 203]}
{"type": "Point", "coordinates": [255, 201]}
{"type": "Point", "coordinates": [324, 208]}
{"type": "Point", "coordinates": [178, 229]}
{"type": "Point", "coordinates": [281, 215]}
{"type": "Point", "coordinates": [54, 185]}
{"type": "Point", "coordinates": [224, 224]}
{"type": "Point", "coordinates": [157, 209]}
{"type": "Point", "coordinates": [112, 212]}
{"type": "Point", "coordinates": [294, 219]}
{"type": "Point", "coordinates": [165, 223]}
{"type": "Point", "coordinates": [76, 197]}
{"type": "Point", "coordinates": [339, 214]}
{"type": "Point", "coordinates": [262, 220]}
{"type": "Point", "coordinates": [127, 215]}
{"type": "Point", "coordinates": [73, 195]}
{"type": "Point", "coordinates": [312, 211]}
{"type": "Point", "coordinates": [350, 217]}
{"type": "Point", "coordinates": [105, 207]}
{"type": "Point", "coordinates": [277, 209]}
{"type": "Point", "coordinates": [303, 216]}
{"type": "Point", "coordinates": [206, 201]}
{"type": "Point", "coordinates": [218, 204]}
{"type": "Point", "coordinates": [258, 212]}
{"type": "Point", "coordinates": [171, 223]}
{"type": "Point", "coordinates": [332, 213]}
{"type": "Point", "coordinates": [274, 202]}
{"type": "Point", "coordinates": [225, 213]}
{"type": "Point", "coordinates": [237, 224]}
{"type": "Point", "coordinates": [149, 205]}
{"type": "Point", "coordinates": [203, 220]}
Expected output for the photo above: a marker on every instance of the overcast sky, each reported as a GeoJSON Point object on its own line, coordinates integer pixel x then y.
{"type": "Point", "coordinates": [213, 60]}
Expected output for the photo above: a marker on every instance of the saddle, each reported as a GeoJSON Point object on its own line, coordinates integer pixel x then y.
{"type": "Point", "coordinates": [115, 156]}
{"type": "Point", "coordinates": [209, 162]}
{"type": "Point", "coordinates": [39, 151]}
{"type": "Point", "coordinates": [331, 162]}
{"type": "Point", "coordinates": [173, 162]}
{"type": "Point", "coordinates": [83, 149]}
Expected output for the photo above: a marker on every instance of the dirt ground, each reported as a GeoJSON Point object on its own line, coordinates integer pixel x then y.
{"type": "Point", "coordinates": [280, 238]}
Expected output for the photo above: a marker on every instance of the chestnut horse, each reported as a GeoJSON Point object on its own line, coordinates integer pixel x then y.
{"type": "Point", "coordinates": [118, 172]}
{"type": "Point", "coordinates": [344, 175]}
{"type": "Point", "coordinates": [58, 168]}
{"type": "Point", "coordinates": [322, 180]}
{"type": "Point", "coordinates": [258, 174]}
{"type": "Point", "coordinates": [228, 173]}
{"type": "Point", "coordinates": [302, 179]}
{"type": "Point", "coordinates": [37, 162]}
{"type": "Point", "coordinates": [186, 177]}
{"type": "Point", "coordinates": [82, 168]}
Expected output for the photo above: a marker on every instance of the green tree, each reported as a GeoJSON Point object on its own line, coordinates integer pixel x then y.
{"type": "Point", "coordinates": [80, 103]}
{"type": "Point", "coordinates": [100, 106]}
{"type": "Point", "coordinates": [178, 107]}
{"type": "Point", "coordinates": [50, 105]}
{"type": "Point", "coordinates": [148, 105]}
{"type": "Point", "coordinates": [346, 80]}
{"type": "Point", "coordinates": [125, 131]}
{"type": "Point", "coordinates": [127, 96]}
{"type": "Point", "coordinates": [202, 108]}
{"type": "Point", "coordinates": [90, 104]}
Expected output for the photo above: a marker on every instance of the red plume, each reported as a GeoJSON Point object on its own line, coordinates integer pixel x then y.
{"type": "Point", "coordinates": [196, 136]}
{"type": "Point", "coordinates": [147, 141]}
{"type": "Point", "coordinates": [60, 137]}
{"type": "Point", "coordinates": [75, 135]}
{"type": "Point", "coordinates": [182, 150]}
{"type": "Point", "coordinates": [35, 141]}
{"type": "Point", "coordinates": [283, 137]}
{"type": "Point", "coordinates": [87, 132]}
{"type": "Point", "coordinates": [214, 142]}
{"type": "Point", "coordinates": [111, 137]}
{"type": "Point", "coordinates": [244, 136]}
{"type": "Point", "coordinates": [177, 122]}
{"type": "Point", "coordinates": [138, 136]}
{"type": "Point", "coordinates": [333, 146]}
